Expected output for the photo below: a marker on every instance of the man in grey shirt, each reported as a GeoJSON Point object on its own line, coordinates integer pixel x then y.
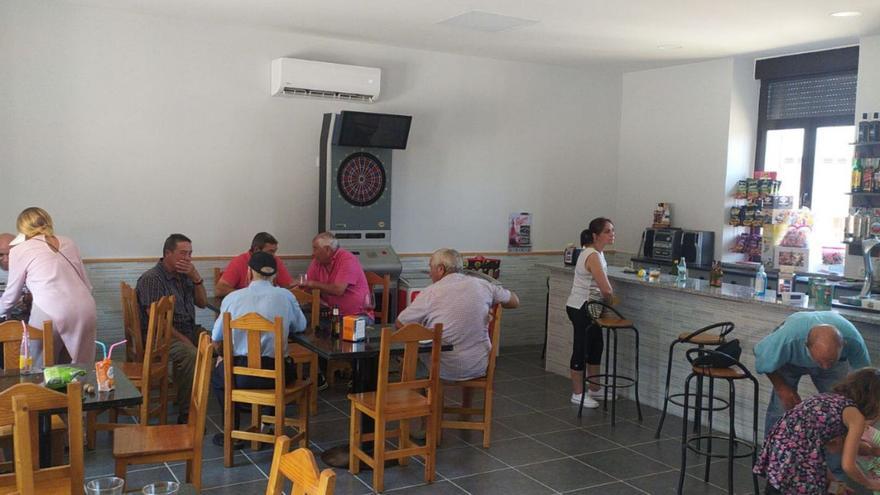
{"type": "Point", "coordinates": [461, 303]}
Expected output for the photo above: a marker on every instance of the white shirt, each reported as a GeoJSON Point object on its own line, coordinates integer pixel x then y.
{"type": "Point", "coordinates": [583, 287]}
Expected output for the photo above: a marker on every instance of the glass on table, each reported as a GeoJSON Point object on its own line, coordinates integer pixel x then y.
{"type": "Point", "coordinates": [654, 275]}
{"type": "Point", "coordinates": [105, 486]}
{"type": "Point", "coordinates": [162, 488]}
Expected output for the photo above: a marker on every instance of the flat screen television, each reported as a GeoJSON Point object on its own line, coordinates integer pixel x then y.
{"type": "Point", "coordinates": [373, 130]}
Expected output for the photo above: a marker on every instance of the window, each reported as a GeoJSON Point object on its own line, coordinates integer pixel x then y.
{"type": "Point", "coordinates": [805, 127]}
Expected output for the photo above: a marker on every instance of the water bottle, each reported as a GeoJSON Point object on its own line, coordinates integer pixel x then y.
{"type": "Point", "coordinates": [760, 282]}
{"type": "Point", "coordinates": [682, 274]}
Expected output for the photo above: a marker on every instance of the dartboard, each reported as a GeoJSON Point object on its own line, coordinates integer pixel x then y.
{"type": "Point", "coordinates": [361, 179]}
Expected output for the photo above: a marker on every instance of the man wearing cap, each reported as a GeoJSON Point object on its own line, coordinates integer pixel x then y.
{"type": "Point", "coordinates": [261, 297]}
{"type": "Point", "coordinates": [235, 276]}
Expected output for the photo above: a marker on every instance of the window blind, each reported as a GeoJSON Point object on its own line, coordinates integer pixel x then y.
{"type": "Point", "coordinates": [820, 95]}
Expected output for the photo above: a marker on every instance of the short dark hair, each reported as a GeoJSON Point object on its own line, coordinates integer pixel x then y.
{"type": "Point", "coordinates": [597, 225]}
{"type": "Point", "coordinates": [260, 240]}
{"type": "Point", "coordinates": [171, 242]}
{"type": "Point", "coordinates": [863, 388]}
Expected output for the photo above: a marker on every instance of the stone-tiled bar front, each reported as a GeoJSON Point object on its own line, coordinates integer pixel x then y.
{"type": "Point", "coordinates": [662, 310]}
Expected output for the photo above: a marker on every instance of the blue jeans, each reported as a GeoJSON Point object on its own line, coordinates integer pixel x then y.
{"type": "Point", "coordinates": [824, 380]}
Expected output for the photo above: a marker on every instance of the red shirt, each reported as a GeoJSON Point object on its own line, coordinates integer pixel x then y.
{"type": "Point", "coordinates": [344, 268]}
{"type": "Point", "coordinates": [236, 272]}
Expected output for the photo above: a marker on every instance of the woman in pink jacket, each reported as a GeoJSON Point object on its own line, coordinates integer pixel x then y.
{"type": "Point", "coordinates": [51, 268]}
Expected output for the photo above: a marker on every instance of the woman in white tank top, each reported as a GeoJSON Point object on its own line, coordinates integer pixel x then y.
{"type": "Point", "coordinates": [590, 284]}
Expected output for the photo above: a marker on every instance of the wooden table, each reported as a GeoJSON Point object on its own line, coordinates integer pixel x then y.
{"type": "Point", "coordinates": [364, 356]}
{"type": "Point", "coordinates": [124, 395]}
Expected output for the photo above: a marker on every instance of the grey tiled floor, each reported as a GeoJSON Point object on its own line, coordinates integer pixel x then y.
{"type": "Point", "coordinates": [539, 446]}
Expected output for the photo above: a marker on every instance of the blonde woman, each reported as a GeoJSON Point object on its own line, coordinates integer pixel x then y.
{"type": "Point", "coordinates": [50, 267]}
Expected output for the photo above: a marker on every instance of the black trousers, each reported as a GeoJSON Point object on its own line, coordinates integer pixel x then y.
{"type": "Point", "coordinates": [267, 363]}
{"type": "Point", "coordinates": [587, 345]}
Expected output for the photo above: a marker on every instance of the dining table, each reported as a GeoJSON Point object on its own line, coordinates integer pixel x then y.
{"type": "Point", "coordinates": [364, 358]}
{"type": "Point", "coordinates": [124, 394]}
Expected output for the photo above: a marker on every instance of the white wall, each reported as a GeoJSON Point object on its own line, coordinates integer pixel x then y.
{"type": "Point", "coordinates": [685, 132]}
{"type": "Point", "coordinates": [128, 127]}
{"type": "Point", "coordinates": [868, 89]}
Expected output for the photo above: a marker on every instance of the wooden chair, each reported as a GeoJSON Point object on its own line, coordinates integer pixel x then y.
{"type": "Point", "coordinates": [485, 383]}
{"type": "Point", "coordinates": [303, 357]}
{"type": "Point", "coordinates": [150, 376]}
{"type": "Point", "coordinates": [19, 406]}
{"type": "Point", "coordinates": [10, 338]}
{"type": "Point", "coordinates": [301, 469]}
{"type": "Point", "coordinates": [398, 401]}
{"type": "Point", "coordinates": [144, 444]}
{"type": "Point", "coordinates": [277, 397]}
{"type": "Point", "coordinates": [374, 279]}
{"type": "Point", "coordinates": [131, 326]}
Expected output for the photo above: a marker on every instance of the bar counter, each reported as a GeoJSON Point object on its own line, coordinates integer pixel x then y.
{"type": "Point", "coordinates": [663, 309]}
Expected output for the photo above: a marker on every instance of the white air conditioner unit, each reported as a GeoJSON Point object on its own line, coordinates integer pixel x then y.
{"type": "Point", "coordinates": [297, 77]}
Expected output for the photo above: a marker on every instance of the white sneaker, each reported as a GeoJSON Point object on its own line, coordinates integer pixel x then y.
{"type": "Point", "coordinates": [598, 394]}
{"type": "Point", "coordinates": [589, 403]}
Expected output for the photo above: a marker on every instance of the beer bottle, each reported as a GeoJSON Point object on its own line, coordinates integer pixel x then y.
{"type": "Point", "coordinates": [335, 323]}
{"type": "Point", "coordinates": [856, 184]}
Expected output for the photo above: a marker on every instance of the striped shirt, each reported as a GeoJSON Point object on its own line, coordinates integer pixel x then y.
{"type": "Point", "coordinates": [158, 282]}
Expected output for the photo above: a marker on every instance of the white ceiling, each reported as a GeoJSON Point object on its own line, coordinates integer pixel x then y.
{"type": "Point", "coordinates": [567, 32]}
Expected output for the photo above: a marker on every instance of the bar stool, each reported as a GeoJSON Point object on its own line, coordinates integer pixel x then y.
{"type": "Point", "coordinates": [709, 363]}
{"type": "Point", "coordinates": [611, 321]}
{"type": "Point", "coordinates": [700, 338]}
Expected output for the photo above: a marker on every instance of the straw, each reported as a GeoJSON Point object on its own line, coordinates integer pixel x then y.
{"type": "Point", "coordinates": [103, 348]}
{"type": "Point", "coordinates": [110, 352]}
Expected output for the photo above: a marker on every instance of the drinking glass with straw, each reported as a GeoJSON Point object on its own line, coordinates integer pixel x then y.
{"type": "Point", "coordinates": [104, 367]}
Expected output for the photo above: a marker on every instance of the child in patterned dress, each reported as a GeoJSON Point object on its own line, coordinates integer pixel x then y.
{"type": "Point", "coordinates": [793, 456]}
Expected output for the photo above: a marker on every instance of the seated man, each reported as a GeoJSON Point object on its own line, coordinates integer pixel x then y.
{"type": "Point", "coordinates": [258, 297]}
{"type": "Point", "coordinates": [235, 276]}
{"type": "Point", "coordinates": [175, 275]}
{"type": "Point", "coordinates": [339, 276]}
{"type": "Point", "coordinates": [821, 344]}
{"type": "Point", "coordinates": [5, 239]}
{"type": "Point", "coordinates": [461, 303]}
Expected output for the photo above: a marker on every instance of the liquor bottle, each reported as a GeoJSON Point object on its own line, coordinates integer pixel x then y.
{"type": "Point", "coordinates": [856, 183]}
{"type": "Point", "coordinates": [335, 323]}
{"type": "Point", "coordinates": [716, 274]}
{"type": "Point", "coordinates": [874, 129]}
{"type": "Point", "coordinates": [876, 174]}
{"type": "Point", "coordinates": [867, 175]}
{"type": "Point", "coordinates": [864, 127]}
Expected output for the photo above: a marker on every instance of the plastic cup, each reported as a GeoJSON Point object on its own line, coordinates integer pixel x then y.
{"type": "Point", "coordinates": [104, 486]}
{"type": "Point", "coordinates": [162, 488]}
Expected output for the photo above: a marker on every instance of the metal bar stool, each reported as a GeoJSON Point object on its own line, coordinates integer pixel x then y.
{"type": "Point", "coordinates": [611, 321]}
{"type": "Point", "coordinates": [700, 338]}
{"type": "Point", "coordinates": [710, 364]}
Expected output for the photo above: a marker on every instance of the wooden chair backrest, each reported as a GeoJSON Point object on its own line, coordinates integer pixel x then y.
{"type": "Point", "coordinates": [218, 274]}
{"type": "Point", "coordinates": [10, 338]}
{"type": "Point", "coordinates": [301, 469]}
{"type": "Point", "coordinates": [198, 403]}
{"type": "Point", "coordinates": [374, 279]}
{"type": "Point", "coordinates": [131, 324]}
{"type": "Point", "coordinates": [255, 326]}
{"type": "Point", "coordinates": [494, 338]}
{"type": "Point", "coordinates": [20, 406]}
{"type": "Point", "coordinates": [157, 347]}
{"type": "Point", "coordinates": [313, 299]}
{"type": "Point", "coordinates": [409, 335]}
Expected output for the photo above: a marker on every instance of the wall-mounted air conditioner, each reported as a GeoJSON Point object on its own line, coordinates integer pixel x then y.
{"type": "Point", "coordinates": [297, 77]}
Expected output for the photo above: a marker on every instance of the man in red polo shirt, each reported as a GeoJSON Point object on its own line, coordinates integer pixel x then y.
{"type": "Point", "coordinates": [339, 276]}
{"type": "Point", "coordinates": [235, 276]}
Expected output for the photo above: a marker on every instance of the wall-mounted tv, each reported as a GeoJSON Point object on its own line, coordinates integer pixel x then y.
{"type": "Point", "coordinates": [373, 130]}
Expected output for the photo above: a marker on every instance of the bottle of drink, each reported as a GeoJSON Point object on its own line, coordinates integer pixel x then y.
{"type": "Point", "coordinates": [25, 361]}
{"type": "Point", "coordinates": [876, 174]}
{"type": "Point", "coordinates": [856, 183]}
{"type": "Point", "coordinates": [715, 277]}
{"type": "Point", "coordinates": [864, 127]}
{"type": "Point", "coordinates": [335, 322]}
{"type": "Point", "coordinates": [674, 270]}
{"type": "Point", "coordinates": [874, 129]}
{"type": "Point", "coordinates": [867, 175]}
{"type": "Point", "coordinates": [682, 274]}
{"type": "Point", "coordinates": [760, 282]}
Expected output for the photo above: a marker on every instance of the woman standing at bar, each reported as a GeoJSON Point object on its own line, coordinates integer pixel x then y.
{"type": "Point", "coordinates": [51, 268]}
{"type": "Point", "coordinates": [590, 284]}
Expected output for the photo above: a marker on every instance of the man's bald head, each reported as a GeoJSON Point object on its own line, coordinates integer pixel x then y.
{"type": "Point", "coordinates": [5, 239]}
{"type": "Point", "coordinates": [825, 343]}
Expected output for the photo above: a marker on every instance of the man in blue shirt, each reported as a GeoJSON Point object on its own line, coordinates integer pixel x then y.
{"type": "Point", "coordinates": [821, 344]}
{"type": "Point", "coordinates": [261, 297]}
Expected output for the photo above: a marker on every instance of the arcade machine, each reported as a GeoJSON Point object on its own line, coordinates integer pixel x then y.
{"type": "Point", "coordinates": [355, 187]}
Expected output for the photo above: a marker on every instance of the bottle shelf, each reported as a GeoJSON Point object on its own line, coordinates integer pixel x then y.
{"type": "Point", "coordinates": [869, 143]}
{"type": "Point", "coordinates": [868, 194]}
